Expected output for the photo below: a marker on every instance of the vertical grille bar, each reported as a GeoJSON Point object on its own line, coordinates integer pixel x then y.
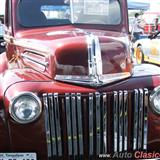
{"type": "Point", "coordinates": [115, 113]}
{"type": "Point", "coordinates": [125, 131]}
{"type": "Point", "coordinates": [57, 124]}
{"type": "Point", "coordinates": [135, 128]}
{"type": "Point", "coordinates": [54, 137]}
{"type": "Point", "coordinates": [74, 124]}
{"type": "Point", "coordinates": [130, 121]}
{"type": "Point", "coordinates": [79, 126]}
{"type": "Point", "coordinates": [120, 121]}
{"type": "Point", "coordinates": [98, 128]}
{"type": "Point", "coordinates": [104, 123]}
{"type": "Point", "coordinates": [47, 124]}
{"type": "Point", "coordinates": [68, 118]}
{"type": "Point", "coordinates": [91, 123]}
{"type": "Point", "coordinates": [140, 125]}
{"type": "Point", "coordinates": [145, 118]}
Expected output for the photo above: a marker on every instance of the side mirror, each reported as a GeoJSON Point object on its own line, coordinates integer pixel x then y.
{"type": "Point", "coordinates": [2, 44]}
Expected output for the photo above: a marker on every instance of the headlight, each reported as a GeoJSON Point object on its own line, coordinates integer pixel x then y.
{"type": "Point", "coordinates": [155, 100]}
{"type": "Point", "coordinates": [25, 108]}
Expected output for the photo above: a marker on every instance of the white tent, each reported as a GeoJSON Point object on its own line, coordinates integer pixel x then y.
{"type": "Point", "coordinates": [138, 4]}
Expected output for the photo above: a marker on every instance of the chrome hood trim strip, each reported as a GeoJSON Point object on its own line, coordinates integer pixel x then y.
{"type": "Point", "coordinates": [91, 81]}
{"type": "Point", "coordinates": [94, 56]}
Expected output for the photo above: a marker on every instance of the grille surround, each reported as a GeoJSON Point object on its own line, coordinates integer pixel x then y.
{"type": "Point", "coordinates": [86, 125]}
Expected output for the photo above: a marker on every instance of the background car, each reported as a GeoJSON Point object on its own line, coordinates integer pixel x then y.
{"type": "Point", "coordinates": [148, 50]}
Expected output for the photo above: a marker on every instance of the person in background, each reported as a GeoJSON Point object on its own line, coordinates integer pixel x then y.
{"type": "Point", "coordinates": [155, 29]}
{"type": "Point", "coordinates": [156, 25]}
{"type": "Point", "coordinates": [137, 29]}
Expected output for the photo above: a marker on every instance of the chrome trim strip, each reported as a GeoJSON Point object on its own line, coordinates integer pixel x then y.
{"type": "Point", "coordinates": [98, 125]}
{"type": "Point", "coordinates": [74, 124]}
{"type": "Point", "coordinates": [47, 124]}
{"type": "Point", "coordinates": [104, 123]}
{"type": "Point", "coordinates": [69, 127]}
{"type": "Point", "coordinates": [90, 80]}
{"type": "Point", "coordinates": [42, 54]}
{"type": "Point", "coordinates": [79, 119]}
{"type": "Point", "coordinates": [91, 54]}
{"type": "Point", "coordinates": [57, 124]}
{"type": "Point", "coordinates": [98, 56]}
{"type": "Point", "coordinates": [140, 119]}
{"type": "Point", "coordinates": [120, 121]}
{"type": "Point", "coordinates": [91, 140]}
{"type": "Point", "coordinates": [94, 58]}
{"type": "Point", "coordinates": [145, 119]}
{"type": "Point", "coordinates": [115, 113]}
{"type": "Point", "coordinates": [45, 64]}
{"type": "Point", "coordinates": [53, 124]}
{"type": "Point", "coordinates": [125, 131]}
{"type": "Point", "coordinates": [135, 123]}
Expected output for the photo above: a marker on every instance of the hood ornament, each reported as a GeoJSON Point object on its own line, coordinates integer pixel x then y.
{"type": "Point", "coordinates": [95, 67]}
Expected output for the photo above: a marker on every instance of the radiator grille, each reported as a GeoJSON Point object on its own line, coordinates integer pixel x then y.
{"type": "Point", "coordinates": [86, 125]}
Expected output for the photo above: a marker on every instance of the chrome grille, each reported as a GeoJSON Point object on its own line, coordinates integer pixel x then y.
{"type": "Point", "coordinates": [86, 125]}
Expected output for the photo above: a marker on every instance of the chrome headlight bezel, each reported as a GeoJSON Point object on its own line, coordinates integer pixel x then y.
{"type": "Point", "coordinates": [152, 97]}
{"type": "Point", "coordinates": [15, 99]}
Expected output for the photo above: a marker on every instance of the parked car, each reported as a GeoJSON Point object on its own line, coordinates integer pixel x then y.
{"type": "Point", "coordinates": [148, 50]}
{"type": "Point", "coordinates": [68, 88]}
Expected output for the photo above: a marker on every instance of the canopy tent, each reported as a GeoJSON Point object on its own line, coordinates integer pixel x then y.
{"type": "Point", "coordinates": [138, 5]}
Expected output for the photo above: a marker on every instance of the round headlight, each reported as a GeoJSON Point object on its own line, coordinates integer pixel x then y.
{"type": "Point", "coordinates": [155, 100]}
{"type": "Point", "coordinates": [25, 108]}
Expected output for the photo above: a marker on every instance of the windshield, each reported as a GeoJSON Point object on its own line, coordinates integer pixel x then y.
{"type": "Point", "coordinates": [60, 12]}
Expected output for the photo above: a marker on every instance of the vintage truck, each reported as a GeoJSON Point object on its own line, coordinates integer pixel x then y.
{"type": "Point", "coordinates": [68, 87]}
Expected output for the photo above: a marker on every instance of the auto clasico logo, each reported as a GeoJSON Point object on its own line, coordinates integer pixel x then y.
{"type": "Point", "coordinates": [130, 155]}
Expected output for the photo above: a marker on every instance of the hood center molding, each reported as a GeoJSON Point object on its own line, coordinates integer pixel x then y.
{"type": "Point", "coordinates": [94, 58]}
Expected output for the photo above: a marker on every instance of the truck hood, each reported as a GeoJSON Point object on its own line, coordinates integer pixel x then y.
{"type": "Point", "coordinates": [89, 57]}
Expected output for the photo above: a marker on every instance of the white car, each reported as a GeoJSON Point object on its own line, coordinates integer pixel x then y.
{"type": "Point", "coordinates": [148, 49]}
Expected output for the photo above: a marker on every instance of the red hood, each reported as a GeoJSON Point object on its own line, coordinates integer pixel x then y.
{"type": "Point", "coordinates": [66, 51]}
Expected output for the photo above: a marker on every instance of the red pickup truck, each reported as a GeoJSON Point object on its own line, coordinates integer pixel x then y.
{"type": "Point", "coordinates": [68, 88]}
